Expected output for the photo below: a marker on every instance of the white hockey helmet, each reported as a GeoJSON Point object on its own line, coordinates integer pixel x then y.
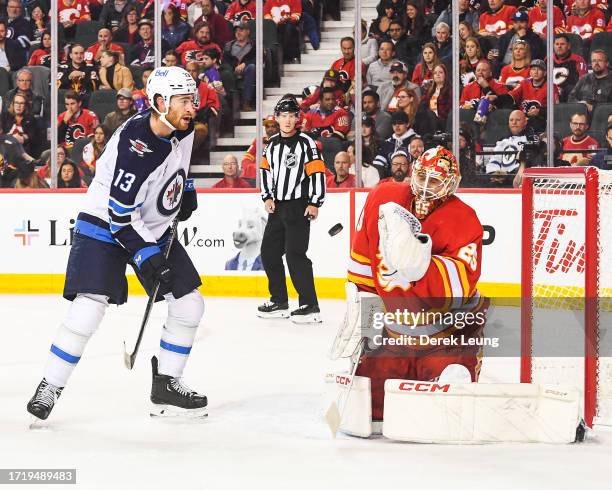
{"type": "Point", "coordinates": [169, 81]}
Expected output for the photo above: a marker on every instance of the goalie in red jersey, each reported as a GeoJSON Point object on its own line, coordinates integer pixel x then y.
{"type": "Point", "coordinates": [418, 248]}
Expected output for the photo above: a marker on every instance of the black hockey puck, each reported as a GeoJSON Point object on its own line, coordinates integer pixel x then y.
{"type": "Point", "coordinates": [334, 230]}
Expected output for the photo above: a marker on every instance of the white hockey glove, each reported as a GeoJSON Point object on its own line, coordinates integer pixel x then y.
{"type": "Point", "coordinates": [401, 244]}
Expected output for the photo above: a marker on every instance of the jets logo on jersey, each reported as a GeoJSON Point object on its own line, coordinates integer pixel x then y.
{"type": "Point", "coordinates": [169, 198]}
{"type": "Point", "coordinates": [139, 148]}
{"type": "Point", "coordinates": [291, 161]}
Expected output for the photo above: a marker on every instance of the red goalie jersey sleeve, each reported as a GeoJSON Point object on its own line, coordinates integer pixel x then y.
{"type": "Point", "coordinates": [454, 269]}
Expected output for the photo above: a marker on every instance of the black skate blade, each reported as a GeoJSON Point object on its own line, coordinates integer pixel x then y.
{"type": "Point", "coordinates": [172, 412]}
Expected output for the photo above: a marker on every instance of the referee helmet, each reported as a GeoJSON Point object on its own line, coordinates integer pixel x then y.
{"type": "Point", "coordinates": [288, 103]}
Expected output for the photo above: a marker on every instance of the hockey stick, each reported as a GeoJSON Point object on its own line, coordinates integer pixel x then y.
{"type": "Point", "coordinates": [130, 359]}
{"type": "Point", "coordinates": [334, 415]}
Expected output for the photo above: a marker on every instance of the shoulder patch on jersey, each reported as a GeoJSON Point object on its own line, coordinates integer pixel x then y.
{"type": "Point", "coordinates": [139, 147]}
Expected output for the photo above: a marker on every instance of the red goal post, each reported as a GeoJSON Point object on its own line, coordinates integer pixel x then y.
{"type": "Point", "coordinates": [566, 266]}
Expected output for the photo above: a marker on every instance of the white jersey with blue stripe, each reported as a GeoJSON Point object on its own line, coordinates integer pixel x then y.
{"type": "Point", "coordinates": [136, 192]}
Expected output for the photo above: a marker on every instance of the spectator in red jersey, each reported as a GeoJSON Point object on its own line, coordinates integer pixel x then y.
{"type": "Point", "coordinates": [538, 19]}
{"type": "Point", "coordinates": [248, 165]}
{"type": "Point", "coordinates": [576, 146]}
{"type": "Point", "coordinates": [378, 71]}
{"type": "Point", "coordinates": [596, 87]}
{"type": "Point", "coordinates": [231, 179]}
{"type": "Point", "coordinates": [221, 31]}
{"type": "Point", "coordinates": [193, 49]}
{"type": "Point", "coordinates": [342, 178]}
{"type": "Point", "coordinates": [286, 14]}
{"type": "Point", "coordinates": [42, 55]}
{"type": "Point", "coordinates": [585, 20]}
{"type": "Point", "coordinates": [70, 13]}
{"type": "Point", "coordinates": [19, 123]}
{"type": "Point", "coordinates": [23, 81]}
{"type": "Point", "coordinates": [484, 86]}
{"type": "Point", "coordinates": [112, 13]}
{"type": "Point", "coordinates": [239, 55]}
{"type": "Point", "coordinates": [345, 66]}
{"type": "Point", "coordinates": [105, 42]}
{"type": "Point", "coordinates": [569, 67]}
{"type": "Point", "coordinates": [240, 11]}
{"type": "Point", "coordinates": [330, 80]}
{"type": "Point", "coordinates": [128, 29]}
{"type": "Point", "coordinates": [174, 29]}
{"type": "Point", "coordinates": [75, 122]}
{"type": "Point", "coordinates": [424, 70]}
{"type": "Point", "coordinates": [210, 105]}
{"type": "Point", "coordinates": [497, 20]}
{"type": "Point", "coordinates": [68, 176]}
{"type": "Point", "coordinates": [328, 119]}
{"type": "Point", "coordinates": [530, 95]}
{"type": "Point", "coordinates": [469, 61]}
{"type": "Point", "coordinates": [512, 74]}
{"type": "Point", "coordinates": [520, 31]}
{"type": "Point", "coordinates": [38, 21]}
{"type": "Point", "coordinates": [399, 79]}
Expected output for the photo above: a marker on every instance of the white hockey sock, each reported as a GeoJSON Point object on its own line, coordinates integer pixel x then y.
{"type": "Point", "coordinates": [82, 320]}
{"type": "Point", "coordinates": [177, 336]}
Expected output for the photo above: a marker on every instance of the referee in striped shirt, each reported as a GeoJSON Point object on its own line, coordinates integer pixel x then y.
{"type": "Point", "coordinates": [293, 189]}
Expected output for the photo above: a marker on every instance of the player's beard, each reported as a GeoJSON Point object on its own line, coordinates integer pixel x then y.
{"type": "Point", "coordinates": [179, 122]}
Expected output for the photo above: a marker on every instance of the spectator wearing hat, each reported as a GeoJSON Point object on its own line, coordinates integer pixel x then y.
{"type": "Point", "coordinates": [342, 178]}
{"type": "Point", "coordinates": [371, 108]}
{"type": "Point", "coordinates": [399, 140]}
{"type": "Point", "coordinates": [193, 49]}
{"type": "Point", "coordinates": [379, 70]}
{"type": "Point", "coordinates": [104, 43]}
{"type": "Point", "coordinates": [125, 110]}
{"type": "Point", "coordinates": [248, 164]}
{"type": "Point", "coordinates": [231, 178]}
{"type": "Point", "coordinates": [239, 54]}
{"type": "Point", "coordinates": [112, 74]}
{"type": "Point", "coordinates": [388, 90]}
{"type": "Point", "coordinates": [145, 48]}
{"type": "Point", "coordinates": [497, 20]}
{"type": "Point", "coordinates": [400, 167]}
{"type": "Point", "coordinates": [330, 79]}
{"type": "Point", "coordinates": [520, 31]}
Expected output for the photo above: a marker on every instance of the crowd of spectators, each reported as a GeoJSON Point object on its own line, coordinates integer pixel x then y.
{"type": "Point", "coordinates": [106, 52]}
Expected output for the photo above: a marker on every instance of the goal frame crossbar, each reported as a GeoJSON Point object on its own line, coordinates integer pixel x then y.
{"type": "Point", "coordinates": [590, 176]}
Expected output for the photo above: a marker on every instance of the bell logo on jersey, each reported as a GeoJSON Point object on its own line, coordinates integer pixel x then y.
{"type": "Point", "coordinates": [139, 147]}
{"type": "Point", "coordinates": [169, 198]}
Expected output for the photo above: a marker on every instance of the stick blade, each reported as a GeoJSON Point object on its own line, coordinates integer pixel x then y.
{"type": "Point", "coordinates": [128, 360]}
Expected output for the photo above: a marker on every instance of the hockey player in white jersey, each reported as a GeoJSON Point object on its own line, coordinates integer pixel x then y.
{"type": "Point", "coordinates": [140, 186]}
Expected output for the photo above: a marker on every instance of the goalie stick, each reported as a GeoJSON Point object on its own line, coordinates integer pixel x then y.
{"type": "Point", "coordinates": [130, 359]}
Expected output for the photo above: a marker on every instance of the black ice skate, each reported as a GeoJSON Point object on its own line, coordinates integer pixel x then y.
{"type": "Point", "coordinates": [45, 397]}
{"type": "Point", "coordinates": [171, 398]}
{"type": "Point", "coordinates": [306, 314]}
{"type": "Point", "coordinates": [273, 310]}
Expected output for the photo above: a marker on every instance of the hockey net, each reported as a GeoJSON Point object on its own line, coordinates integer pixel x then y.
{"type": "Point", "coordinates": [566, 305]}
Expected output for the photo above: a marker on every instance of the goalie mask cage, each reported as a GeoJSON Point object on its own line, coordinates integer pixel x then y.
{"type": "Point", "coordinates": [566, 283]}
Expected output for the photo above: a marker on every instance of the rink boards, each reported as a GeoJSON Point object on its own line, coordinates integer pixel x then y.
{"type": "Point", "coordinates": [36, 234]}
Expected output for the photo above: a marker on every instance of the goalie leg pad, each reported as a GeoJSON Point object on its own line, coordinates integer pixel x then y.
{"type": "Point", "coordinates": [356, 409]}
{"type": "Point", "coordinates": [184, 315]}
{"type": "Point", "coordinates": [83, 319]}
{"type": "Point", "coordinates": [480, 413]}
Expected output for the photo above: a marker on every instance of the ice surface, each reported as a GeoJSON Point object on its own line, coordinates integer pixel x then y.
{"type": "Point", "coordinates": [264, 381]}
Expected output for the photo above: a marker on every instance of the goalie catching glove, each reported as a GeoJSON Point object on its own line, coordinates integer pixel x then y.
{"type": "Point", "coordinates": [402, 245]}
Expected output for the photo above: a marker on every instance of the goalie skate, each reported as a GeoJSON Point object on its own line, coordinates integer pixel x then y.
{"type": "Point", "coordinates": [171, 398]}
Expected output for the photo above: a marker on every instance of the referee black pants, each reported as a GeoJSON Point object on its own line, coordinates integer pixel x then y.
{"type": "Point", "coordinates": [287, 233]}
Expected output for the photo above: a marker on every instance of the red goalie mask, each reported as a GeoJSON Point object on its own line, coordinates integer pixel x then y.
{"type": "Point", "coordinates": [435, 177]}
